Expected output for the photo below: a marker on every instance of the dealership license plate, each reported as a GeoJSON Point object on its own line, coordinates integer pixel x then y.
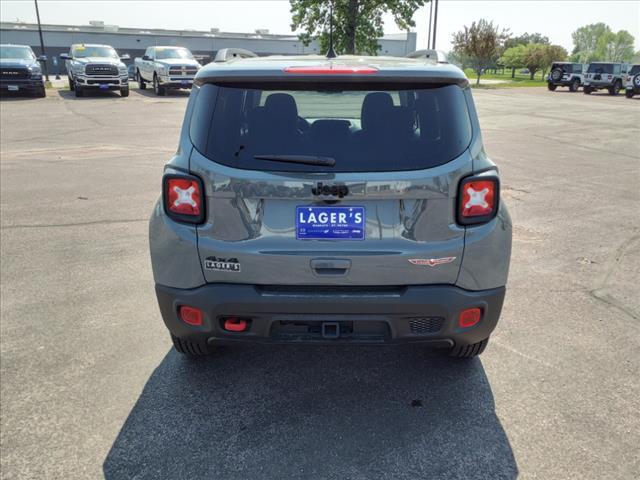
{"type": "Point", "coordinates": [104, 86]}
{"type": "Point", "coordinates": [185, 83]}
{"type": "Point", "coordinates": [13, 88]}
{"type": "Point", "coordinates": [330, 223]}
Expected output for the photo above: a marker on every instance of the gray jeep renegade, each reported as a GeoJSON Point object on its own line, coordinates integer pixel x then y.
{"type": "Point", "coordinates": [315, 200]}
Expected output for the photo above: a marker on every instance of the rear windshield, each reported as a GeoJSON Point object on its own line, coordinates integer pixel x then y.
{"type": "Point", "coordinates": [601, 68]}
{"type": "Point", "coordinates": [362, 129]}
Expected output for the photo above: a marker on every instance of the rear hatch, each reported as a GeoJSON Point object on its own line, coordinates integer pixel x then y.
{"type": "Point", "coordinates": [331, 183]}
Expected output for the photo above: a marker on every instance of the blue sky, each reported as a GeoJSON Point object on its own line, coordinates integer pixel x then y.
{"type": "Point", "coordinates": [555, 19]}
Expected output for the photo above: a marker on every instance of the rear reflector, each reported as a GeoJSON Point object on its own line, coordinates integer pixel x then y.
{"type": "Point", "coordinates": [233, 324]}
{"type": "Point", "coordinates": [478, 199]}
{"type": "Point", "coordinates": [331, 70]}
{"type": "Point", "coordinates": [190, 315]}
{"type": "Point", "coordinates": [469, 317]}
{"type": "Point", "coordinates": [183, 198]}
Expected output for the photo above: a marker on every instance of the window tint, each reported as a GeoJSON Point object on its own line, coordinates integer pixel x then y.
{"type": "Point", "coordinates": [601, 68]}
{"type": "Point", "coordinates": [362, 128]}
{"type": "Point", "coordinates": [634, 70]}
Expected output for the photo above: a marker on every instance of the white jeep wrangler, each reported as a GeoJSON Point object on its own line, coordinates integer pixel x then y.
{"type": "Point", "coordinates": [565, 74]}
{"type": "Point", "coordinates": [601, 75]}
{"type": "Point", "coordinates": [632, 86]}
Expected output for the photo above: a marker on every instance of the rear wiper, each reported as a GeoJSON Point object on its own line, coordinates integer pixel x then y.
{"type": "Point", "coordinates": [303, 159]}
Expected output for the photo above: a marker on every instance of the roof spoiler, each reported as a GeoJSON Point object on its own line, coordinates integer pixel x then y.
{"type": "Point", "coordinates": [436, 55]}
{"type": "Point", "coordinates": [227, 54]}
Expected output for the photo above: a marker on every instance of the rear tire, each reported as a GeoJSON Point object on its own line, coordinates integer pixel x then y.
{"type": "Point", "coordinates": [551, 86]}
{"type": "Point", "coordinates": [141, 84]}
{"type": "Point", "coordinates": [469, 351]}
{"type": "Point", "coordinates": [575, 84]}
{"type": "Point", "coordinates": [191, 348]}
{"type": "Point", "coordinates": [628, 93]}
{"type": "Point", "coordinates": [587, 90]}
{"type": "Point", "coordinates": [615, 90]}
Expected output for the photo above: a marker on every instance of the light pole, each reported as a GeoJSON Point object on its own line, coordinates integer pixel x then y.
{"type": "Point", "coordinates": [44, 63]}
{"type": "Point", "coordinates": [430, 19]}
{"type": "Point", "coordinates": [435, 24]}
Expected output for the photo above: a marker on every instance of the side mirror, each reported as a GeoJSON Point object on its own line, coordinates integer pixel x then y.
{"type": "Point", "coordinates": [42, 58]}
{"type": "Point", "coordinates": [65, 56]}
{"type": "Point", "coordinates": [125, 56]}
{"type": "Point", "coordinates": [146, 57]}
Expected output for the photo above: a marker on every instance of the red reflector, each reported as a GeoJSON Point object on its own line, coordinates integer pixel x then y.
{"type": "Point", "coordinates": [478, 198]}
{"type": "Point", "coordinates": [235, 324]}
{"type": "Point", "coordinates": [183, 196]}
{"type": "Point", "coordinates": [190, 315]}
{"type": "Point", "coordinates": [469, 317]}
{"type": "Point", "coordinates": [331, 70]}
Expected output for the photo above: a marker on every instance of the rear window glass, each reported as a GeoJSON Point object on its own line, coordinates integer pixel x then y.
{"type": "Point", "coordinates": [601, 68]}
{"type": "Point", "coordinates": [362, 129]}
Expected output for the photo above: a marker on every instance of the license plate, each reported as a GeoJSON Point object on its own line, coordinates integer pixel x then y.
{"type": "Point", "coordinates": [13, 88]}
{"type": "Point", "coordinates": [104, 86]}
{"type": "Point", "coordinates": [330, 223]}
{"type": "Point", "coordinates": [185, 83]}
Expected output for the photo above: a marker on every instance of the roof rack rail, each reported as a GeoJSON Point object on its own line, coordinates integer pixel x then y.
{"type": "Point", "coordinates": [226, 54]}
{"type": "Point", "coordinates": [437, 55]}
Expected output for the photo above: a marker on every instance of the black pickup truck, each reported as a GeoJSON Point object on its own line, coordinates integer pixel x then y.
{"type": "Point", "coordinates": [20, 70]}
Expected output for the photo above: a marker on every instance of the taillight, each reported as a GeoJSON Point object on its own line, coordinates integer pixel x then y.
{"type": "Point", "coordinates": [183, 198]}
{"type": "Point", "coordinates": [478, 199]}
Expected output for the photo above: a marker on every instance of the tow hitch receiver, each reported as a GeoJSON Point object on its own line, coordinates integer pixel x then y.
{"type": "Point", "coordinates": [330, 329]}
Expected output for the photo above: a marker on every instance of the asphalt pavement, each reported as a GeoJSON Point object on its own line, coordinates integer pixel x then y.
{"type": "Point", "coordinates": [90, 386]}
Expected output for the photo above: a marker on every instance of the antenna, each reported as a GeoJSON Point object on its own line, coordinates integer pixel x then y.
{"type": "Point", "coordinates": [331, 53]}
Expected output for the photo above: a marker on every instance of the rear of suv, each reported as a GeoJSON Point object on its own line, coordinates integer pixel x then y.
{"type": "Point", "coordinates": [564, 74]}
{"type": "Point", "coordinates": [632, 85]}
{"type": "Point", "coordinates": [604, 75]}
{"type": "Point", "coordinates": [330, 201]}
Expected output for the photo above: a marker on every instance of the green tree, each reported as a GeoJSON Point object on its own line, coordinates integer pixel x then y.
{"type": "Point", "coordinates": [513, 58]}
{"type": "Point", "coordinates": [480, 43]}
{"type": "Point", "coordinates": [357, 24]}
{"type": "Point", "coordinates": [526, 39]}
{"type": "Point", "coordinates": [616, 47]}
{"type": "Point", "coordinates": [586, 42]}
{"type": "Point", "coordinates": [535, 57]}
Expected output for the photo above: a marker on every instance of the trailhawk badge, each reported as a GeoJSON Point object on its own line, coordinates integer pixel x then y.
{"type": "Point", "coordinates": [222, 264]}
{"type": "Point", "coordinates": [431, 262]}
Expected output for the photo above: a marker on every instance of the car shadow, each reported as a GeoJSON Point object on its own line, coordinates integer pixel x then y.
{"type": "Point", "coordinates": [148, 92]}
{"type": "Point", "coordinates": [17, 96]}
{"type": "Point", "coordinates": [316, 412]}
{"type": "Point", "coordinates": [69, 95]}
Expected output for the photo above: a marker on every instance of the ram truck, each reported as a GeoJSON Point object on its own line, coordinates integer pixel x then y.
{"type": "Point", "coordinates": [96, 67]}
{"type": "Point", "coordinates": [20, 70]}
{"type": "Point", "coordinates": [166, 68]}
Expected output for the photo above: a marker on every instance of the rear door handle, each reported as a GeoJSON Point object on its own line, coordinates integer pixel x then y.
{"type": "Point", "coordinates": [330, 266]}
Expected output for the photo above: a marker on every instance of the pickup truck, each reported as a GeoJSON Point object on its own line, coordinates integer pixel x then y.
{"type": "Point", "coordinates": [166, 68]}
{"type": "Point", "coordinates": [20, 71]}
{"type": "Point", "coordinates": [96, 67]}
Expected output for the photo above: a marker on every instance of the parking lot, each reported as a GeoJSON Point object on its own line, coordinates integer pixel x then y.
{"type": "Point", "coordinates": [91, 387]}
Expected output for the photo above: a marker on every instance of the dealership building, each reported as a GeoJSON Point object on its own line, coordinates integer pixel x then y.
{"type": "Point", "coordinates": [203, 44]}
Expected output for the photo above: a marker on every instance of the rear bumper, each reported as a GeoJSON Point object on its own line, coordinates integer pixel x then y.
{"type": "Point", "coordinates": [365, 315]}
